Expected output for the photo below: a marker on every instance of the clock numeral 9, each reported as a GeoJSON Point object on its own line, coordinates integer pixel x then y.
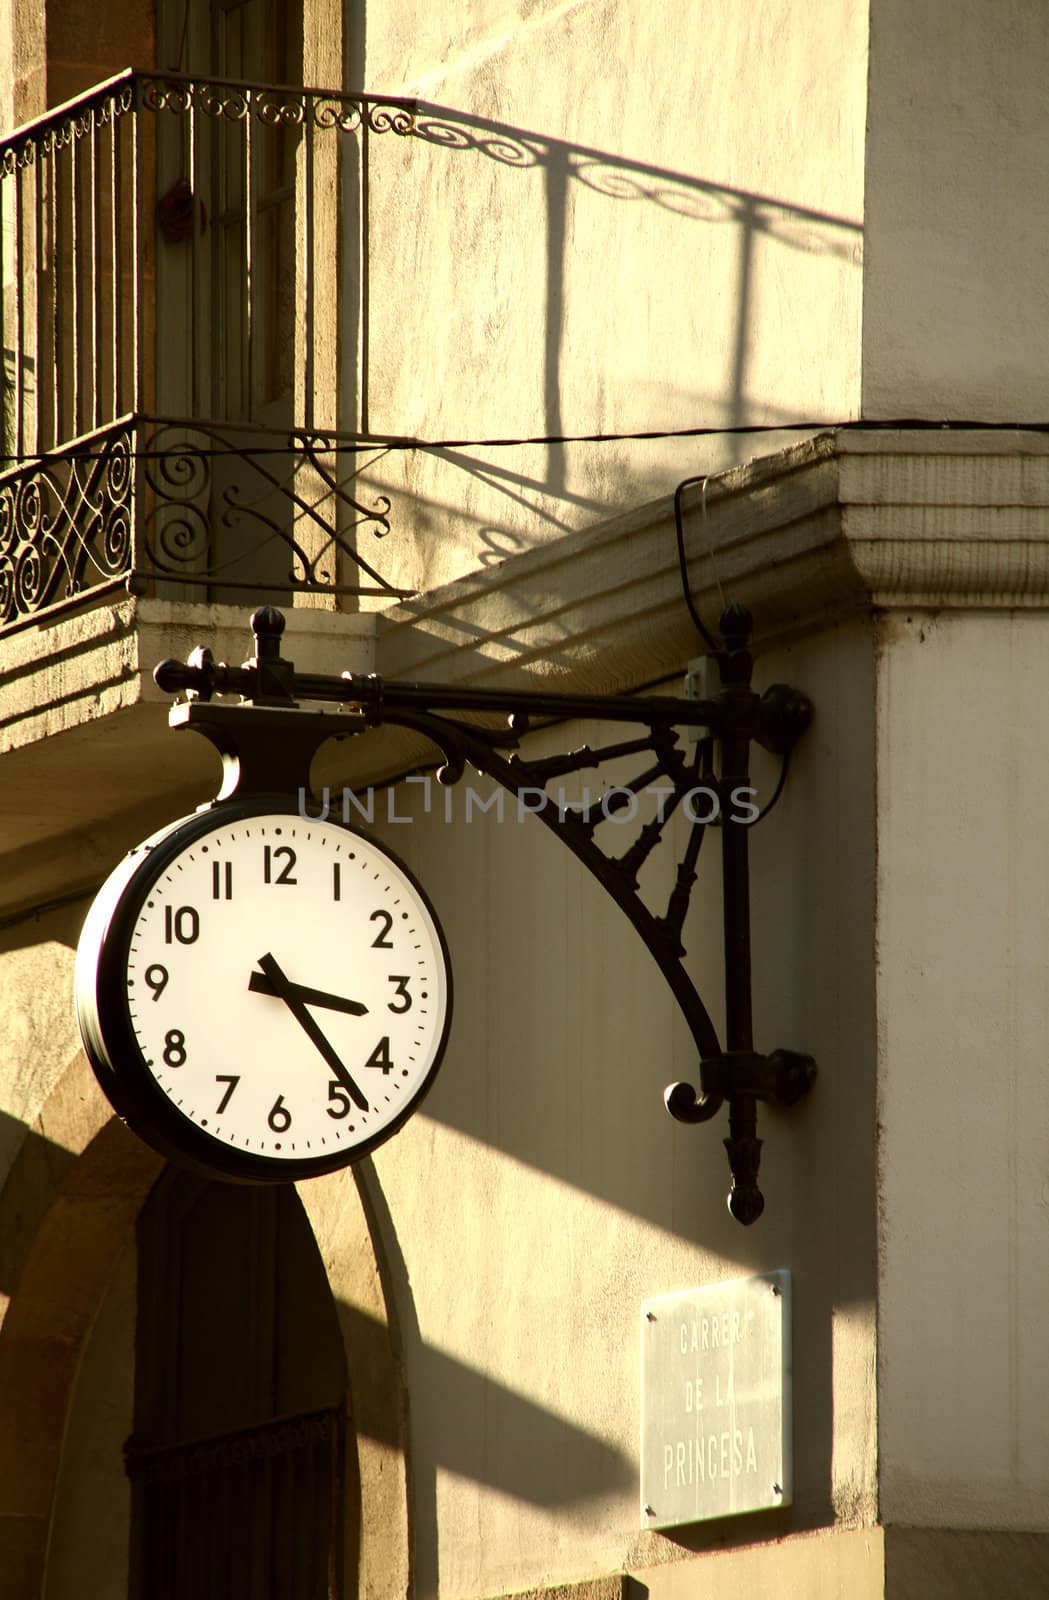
{"type": "Point", "coordinates": [279, 1118]}
{"type": "Point", "coordinates": [156, 978]}
{"type": "Point", "coordinates": [340, 1101]}
{"type": "Point", "coordinates": [181, 926]}
{"type": "Point", "coordinates": [174, 1048]}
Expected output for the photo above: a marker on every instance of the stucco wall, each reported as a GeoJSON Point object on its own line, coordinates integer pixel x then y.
{"type": "Point", "coordinates": [610, 219]}
{"type": "Point", "coordinates": [955, 301]}
{"type": "Point", "coordinates": [543, 1192]}
{"type": "Point", "coordinates": [963, 1012]}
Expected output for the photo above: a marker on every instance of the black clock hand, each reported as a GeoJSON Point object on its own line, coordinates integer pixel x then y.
{"type": "Point", "coordinates": [286, 991]}
{"type": "Point", "coordinates": [309, 997]}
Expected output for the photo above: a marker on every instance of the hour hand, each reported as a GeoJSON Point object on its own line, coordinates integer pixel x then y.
{"type": "Point", "coordinates": [287, 991]}
{"type": "Point", "coordinates": [262, 984]}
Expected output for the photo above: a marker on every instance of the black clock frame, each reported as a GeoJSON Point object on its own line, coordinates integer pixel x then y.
{"type": "Point", "coordinates": [104, 1017]}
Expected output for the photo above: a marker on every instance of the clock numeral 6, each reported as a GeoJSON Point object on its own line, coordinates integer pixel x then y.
{"type": "Point", "coordinates": [279, 1118]}
{"type": "Point", "coordinates": [174, 1048]}
{"type": "Point", "coordinates": [340, 1101]}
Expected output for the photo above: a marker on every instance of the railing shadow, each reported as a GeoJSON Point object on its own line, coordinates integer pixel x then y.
{"type": "Point", "coordinates": [112, 303]}
{"type": "Point", "coordinates": [565, 166]}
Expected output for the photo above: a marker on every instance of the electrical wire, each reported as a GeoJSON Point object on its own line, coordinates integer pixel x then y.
{"type": "Point", "coordinates": [777, 791]}
{"type": "Point", "coordinates": [402, 442]}
{"type": "Point", "coordinates": [682, 561]}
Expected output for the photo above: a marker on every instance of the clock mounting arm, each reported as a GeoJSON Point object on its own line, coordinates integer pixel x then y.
{"type": "Point", "coordinates": [267, 744]}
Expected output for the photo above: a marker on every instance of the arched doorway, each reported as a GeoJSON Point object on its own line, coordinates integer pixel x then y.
{"type": "Point", "coordinates": [67, 1354]}
{"type": "Point", "coordinates": [238, 1459]}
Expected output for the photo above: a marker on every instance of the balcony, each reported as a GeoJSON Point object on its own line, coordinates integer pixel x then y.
{"type": "Point", "coordinates": [178, 261]}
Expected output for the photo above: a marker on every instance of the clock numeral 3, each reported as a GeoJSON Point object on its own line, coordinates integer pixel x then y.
{"type": "Point", "coordinates": [181, 926]}
{"type": "Point", "coordinates": [174, 1048]}
{"type": "Point", "coordinates": [402, 993]}
{"type": "Point", "coordinates": [380, 1056]}
{"type": "Point", "coordinates": [279, 1118]}
{"type": "Point", "coordinates": [381, 941]}
{"type": "Point", "coordinates": [340, 1101]}
{"type": "Point", "coordinates": [270, 859]}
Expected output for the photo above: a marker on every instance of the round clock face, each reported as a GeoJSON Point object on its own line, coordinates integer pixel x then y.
{"type": "Point", "coordinates": [264, 994]}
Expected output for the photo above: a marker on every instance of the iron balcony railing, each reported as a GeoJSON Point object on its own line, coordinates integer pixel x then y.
{"type": "Point", "coordinates": [174, 255]}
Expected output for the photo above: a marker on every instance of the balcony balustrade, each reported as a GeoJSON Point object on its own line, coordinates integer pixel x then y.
{"type": "Point", "coordinates": [175, 257]}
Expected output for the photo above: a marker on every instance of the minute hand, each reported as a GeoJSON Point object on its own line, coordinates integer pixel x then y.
{"type": "Point", "coordinates": [287, 992]}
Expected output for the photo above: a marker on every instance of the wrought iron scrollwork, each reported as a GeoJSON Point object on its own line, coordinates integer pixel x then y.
{"type": "Point", "coordinates": [274, 104]}
{"type": "Point", "coordinates": [716, 766]}
{"type": "Point", "coordinates": [261, 490]}
{"type": "Point", "coordinates": [173, 500]}
{"type": "Point", "coordinates": [65, 525]}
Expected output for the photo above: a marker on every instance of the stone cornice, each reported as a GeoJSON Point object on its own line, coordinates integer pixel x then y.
{"type": "Point", "coordinates": [841, 523]}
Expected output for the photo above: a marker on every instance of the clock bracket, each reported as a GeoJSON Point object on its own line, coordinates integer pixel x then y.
{"type": "Point", "coordinates": [268, 741]}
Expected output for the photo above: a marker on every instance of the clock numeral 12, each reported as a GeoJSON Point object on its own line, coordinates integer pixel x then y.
{"type": "Point", "coordinates": [271, 859]}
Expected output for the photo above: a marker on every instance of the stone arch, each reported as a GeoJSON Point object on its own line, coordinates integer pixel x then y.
{"type": "Point", "coordinates": [67, 1268]}
{"type": "Point", "coordinates": [88, 1222]}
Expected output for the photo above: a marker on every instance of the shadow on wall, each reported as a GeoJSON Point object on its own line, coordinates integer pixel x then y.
{"type": "Point", "coordinates": [749, 214]}
{"type": "Point", "coordinates": [36, 1169]}
{"type": "Point", "coordinates": [696, 299]}
{"type": "Point", "coordinates": [545, 1459]}
{"type": "Point", "coordinates": [37, 1176]}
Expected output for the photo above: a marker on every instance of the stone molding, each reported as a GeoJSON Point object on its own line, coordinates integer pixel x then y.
{"type": "Point", "coordinates": [842, 524]}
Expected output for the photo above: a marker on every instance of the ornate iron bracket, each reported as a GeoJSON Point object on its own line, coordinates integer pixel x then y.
{"type": "Point", "coordinates": [267, 745]}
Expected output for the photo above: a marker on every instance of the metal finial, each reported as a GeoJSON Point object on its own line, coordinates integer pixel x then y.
{"type": "Point", "coordinates": [267, 624]}
{"type": "Point", "coordinates": [736, 624]}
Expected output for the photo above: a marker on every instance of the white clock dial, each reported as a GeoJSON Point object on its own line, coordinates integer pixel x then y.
{"type": "Point", "coordinates": [286, 989]}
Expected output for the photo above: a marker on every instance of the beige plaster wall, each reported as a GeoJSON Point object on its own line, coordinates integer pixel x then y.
{"type": "Point", "coordinates": [543, 1192]}
{"type": "Point", "coordinates": [92, 1508]}
{"type": "Point", "coordinates": [963, 1014]}
{"type": "Point", "coordinates": [612, 218]}
{"type": "Point", "coordinates": [955, 302]}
